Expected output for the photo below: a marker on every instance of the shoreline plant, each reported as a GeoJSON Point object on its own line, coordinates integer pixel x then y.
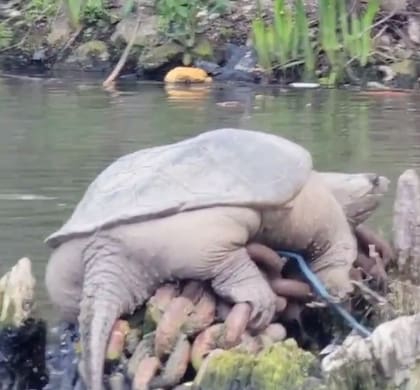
{"type": "Point", "coordinates": [341, 39]}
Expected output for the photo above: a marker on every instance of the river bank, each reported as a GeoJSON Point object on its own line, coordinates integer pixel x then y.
{"type": "Point", "coordinates": [219, 37]}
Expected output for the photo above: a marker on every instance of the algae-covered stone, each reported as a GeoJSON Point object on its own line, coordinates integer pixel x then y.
{"type": "Point", "coordinates": [282, 366]}
{"type": "Point", "coordinates": [203, 49]}
{"type": "Point", "coordinates": [92, 55]}
{"type": "Point", "coordinates": [154, 57]}
{"type": "Point", "coordinates": [222, 369]}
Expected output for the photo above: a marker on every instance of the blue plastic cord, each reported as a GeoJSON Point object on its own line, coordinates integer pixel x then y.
{"type": "Point", "coordinates": [322, 291]}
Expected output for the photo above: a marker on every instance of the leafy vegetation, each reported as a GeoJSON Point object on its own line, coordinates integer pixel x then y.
{"type": "Point", "coordinates": [289, 46]}
{"type": "Point", "coordinates": [179, 20]}
{"type": "Point", "coordinates": [342, 38]}
{"type": "Point", "coordinates": [37, 8]}
{"type": "Point", "coordinates": [89, 11]}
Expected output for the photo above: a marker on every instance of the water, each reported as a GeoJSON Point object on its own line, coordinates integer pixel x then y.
{"type": "Point", "coordinates": [56, 136]}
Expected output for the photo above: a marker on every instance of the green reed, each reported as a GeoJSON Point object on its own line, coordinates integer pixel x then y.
{"type": "Point", "coordinates": [285, 42]}
{"type": "Point", "coordinates": [340, 37]}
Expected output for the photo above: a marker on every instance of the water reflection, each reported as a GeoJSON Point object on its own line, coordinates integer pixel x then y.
{"type": "Point", "coordinates": [57, 135]}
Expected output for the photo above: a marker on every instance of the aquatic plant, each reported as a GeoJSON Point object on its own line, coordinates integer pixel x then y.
{"type": "Point", "coordinates": [342, 38]}
{"type": "Point", "coordinates": [285, 42]}
{"type": "Point", "coordinates": [345, 38]}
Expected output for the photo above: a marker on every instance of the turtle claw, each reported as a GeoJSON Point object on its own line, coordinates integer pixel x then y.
{"type": "Point", "coordinates": [206, 341]}
{"type": "Point", "coordinates": [236, 323]}
{"type": "Point", "coordinates": [203, 314]}
{"type": "Point", "coordinates": [290, 288]}
{"type": "Point", "coordinates": [366, 237]}
{"type": "Point", "coordinates": [145, 372]}
{"type": "Point", "coordinates": [174, 317]}
{"type": "Point", "coordinates": [163, 296]}
{"type": "Point", "coordinates": [117, 340]}
{"type": "Point", "coordinates": [372, 266]}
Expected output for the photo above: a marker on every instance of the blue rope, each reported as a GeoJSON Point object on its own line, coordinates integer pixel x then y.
{"type": "Point", "coordinates": [322, 291]}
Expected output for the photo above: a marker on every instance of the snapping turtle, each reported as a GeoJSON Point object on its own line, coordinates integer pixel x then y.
{"type": "Point", "coordinates": [187, 211]}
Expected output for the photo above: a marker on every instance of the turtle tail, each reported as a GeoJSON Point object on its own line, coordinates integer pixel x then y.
{"type": "Point", "coordinates": [106, 295]}
{"type": "Point", "coordinates": [97, 317]}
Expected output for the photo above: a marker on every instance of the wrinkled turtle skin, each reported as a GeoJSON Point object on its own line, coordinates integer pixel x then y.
{"type": "Point", "coordinates": [187, 210]}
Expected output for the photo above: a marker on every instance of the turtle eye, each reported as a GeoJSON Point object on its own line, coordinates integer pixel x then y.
{"type": "Point", "coordinates": [374, 179]}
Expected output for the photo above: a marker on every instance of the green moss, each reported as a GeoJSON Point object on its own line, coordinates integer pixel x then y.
{"type": "Point", "coordinates": [93, 48]}
{"type": "Point", "coordinates": [222, 370]}
{"type": "Point", "coordinates": [203, 49]}
{"type": "Point", "coordinates": [281, 366]}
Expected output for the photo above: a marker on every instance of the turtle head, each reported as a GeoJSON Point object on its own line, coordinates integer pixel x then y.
{"type": "Point", "coordinates": [358, 193]}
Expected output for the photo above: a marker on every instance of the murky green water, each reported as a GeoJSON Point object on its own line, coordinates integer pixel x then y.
{"type": "Point", "coordinates": [56, 136]}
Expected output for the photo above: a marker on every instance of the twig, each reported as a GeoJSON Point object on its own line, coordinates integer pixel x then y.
{"type": "Point", "coordinates": [123, 59]}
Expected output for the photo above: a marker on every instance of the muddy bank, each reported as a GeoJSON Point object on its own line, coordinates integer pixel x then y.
{"type": "Point", "coordinates": [39, 37]}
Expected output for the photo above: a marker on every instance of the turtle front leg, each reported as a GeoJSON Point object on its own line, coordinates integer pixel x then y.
{"type": "Point", "coordinates": [237, 279]}
{"type": "Point", "coordinates": [333, 268]}
{"type": "Point", "coordinates": [326, 236]}
{"type": "Point", "coordinates": [367, 236]}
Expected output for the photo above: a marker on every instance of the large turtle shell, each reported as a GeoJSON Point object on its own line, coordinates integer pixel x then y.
{"type": "Point", "coordinates": [218, 167]}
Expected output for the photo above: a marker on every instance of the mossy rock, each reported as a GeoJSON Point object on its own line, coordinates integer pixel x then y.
{"type": "Point", "coordinates": [203, 49]}
{"type": "Point", "coordinates": [154, 57]}
{"type": "Point", "coordinates": [92, 55]}
{"type": "Point", "coordinates": [282, 366]}
{"type": "Point", "coordinates": [92, 48]}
